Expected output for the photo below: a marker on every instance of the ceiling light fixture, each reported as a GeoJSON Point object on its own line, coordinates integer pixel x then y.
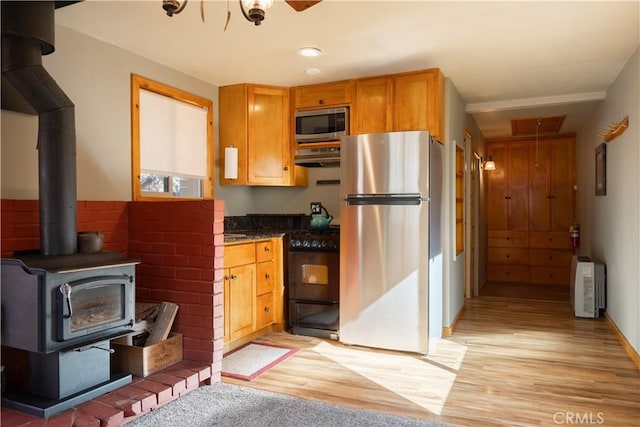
{"type": "Point", "coordinates": [312, 71]}
{"type": "Point", "coordinates": [489, 165]}
{"type": "Point", "coordinates": [253, 10]}
{"type": "Point", "coordinates": [310, 52]}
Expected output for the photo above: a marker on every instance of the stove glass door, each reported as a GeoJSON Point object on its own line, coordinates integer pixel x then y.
{"type": "Point", "coordinates": [93, 304]}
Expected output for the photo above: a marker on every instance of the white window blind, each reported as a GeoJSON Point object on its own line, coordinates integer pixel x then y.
{"type": "Point", "coordinates": [173, 136]}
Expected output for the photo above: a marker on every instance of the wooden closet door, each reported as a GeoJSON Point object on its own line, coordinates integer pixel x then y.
{"type": "Point", "coordinates": [518, 191]}
{"type": "Point", "coordinates": [540, 191]}
{"type": "Point", "coordinates": [497, 202]}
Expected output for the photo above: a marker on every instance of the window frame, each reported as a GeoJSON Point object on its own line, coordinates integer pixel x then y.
{"type": "Point", "coordinates": [139, 82]}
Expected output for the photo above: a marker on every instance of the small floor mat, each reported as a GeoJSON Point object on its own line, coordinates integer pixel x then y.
{"type": "Point", "coordinates": [253, 359]}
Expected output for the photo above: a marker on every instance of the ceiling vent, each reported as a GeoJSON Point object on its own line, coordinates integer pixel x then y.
{"type": "Point", "coordinates": [527, 127]}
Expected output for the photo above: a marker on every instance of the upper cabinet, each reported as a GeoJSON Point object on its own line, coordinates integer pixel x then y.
{"type": "Point", "coordinates": [400, 102]}
{"type": "Point", "coordinates": [552, 179]}
{"type": "Point", "coordinates": [373, 110]}
{"type": "Point", "coordinates": [255, 120]}
{"type": "Point", "coordinates": [323, 95]}
{"type": "Point", "coordinates": [418, 101]}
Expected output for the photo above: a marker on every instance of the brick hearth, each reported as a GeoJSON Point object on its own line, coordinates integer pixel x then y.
{"type": "Point", "coordinates": [124, 404]}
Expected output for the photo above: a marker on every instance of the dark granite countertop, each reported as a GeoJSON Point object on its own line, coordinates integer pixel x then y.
{"type": "Point", "coordinates": [238, 236]}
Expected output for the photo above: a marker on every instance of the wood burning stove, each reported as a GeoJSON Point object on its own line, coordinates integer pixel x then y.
{"type": "Point", "coordinates": [53, 309]}
{"type": "Point", "coordinates": [63, 311]}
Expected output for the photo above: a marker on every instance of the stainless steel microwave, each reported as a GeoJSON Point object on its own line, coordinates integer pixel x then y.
{"type": "Point", "coordinates": [322, 125]}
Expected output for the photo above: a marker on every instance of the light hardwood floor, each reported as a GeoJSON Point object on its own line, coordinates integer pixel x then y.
{"type": "Point", "coordinates": [509, 362]}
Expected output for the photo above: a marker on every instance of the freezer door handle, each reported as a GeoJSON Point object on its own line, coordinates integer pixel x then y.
{"type": "Point", "coordinates": [391, 199]}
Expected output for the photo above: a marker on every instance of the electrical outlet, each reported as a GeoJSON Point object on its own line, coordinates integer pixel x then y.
{"type": "Point", "coordinates": [315, 208]}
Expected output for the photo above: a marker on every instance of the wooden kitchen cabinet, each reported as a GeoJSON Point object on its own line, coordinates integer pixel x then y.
{"type": "Point", "coordinates": [266, 273]}
{"type": "Point", "coordinates": [418, 102]}
{"type": "Point", "coordinates": [239, 291]}
{"type": "Point", "coordinates": [253, 289]}
{"type": "Point", "coordinates": [372, 108]}
{"type": "Point", "coordinates": [399, 102]}
{"type": "Point", "coordinates": [323, 95]}
{"type": "Point", "coordinates": [255, 119]}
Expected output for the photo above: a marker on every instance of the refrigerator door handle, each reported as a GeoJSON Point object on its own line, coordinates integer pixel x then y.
{"type": "Point", "coordinates": [385, 199]}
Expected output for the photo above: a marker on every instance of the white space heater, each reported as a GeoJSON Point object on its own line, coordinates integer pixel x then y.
{"type": "Point", "coordinates": [588, 287]}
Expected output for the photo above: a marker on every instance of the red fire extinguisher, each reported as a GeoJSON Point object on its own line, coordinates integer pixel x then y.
{"type": "Point", "coordinates": [574, 234]}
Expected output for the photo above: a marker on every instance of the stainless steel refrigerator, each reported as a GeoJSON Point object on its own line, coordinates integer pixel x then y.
{"type": "Point", "coordinates": [391, 267]}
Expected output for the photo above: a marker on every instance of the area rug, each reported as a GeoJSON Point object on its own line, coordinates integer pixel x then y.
{"type": "Point", "coordinates": [230, 405]}
{"type": "Point", "coordinates": [253, 359]}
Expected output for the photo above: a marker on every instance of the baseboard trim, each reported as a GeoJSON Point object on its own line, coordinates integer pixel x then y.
{"type": "Point", "coordinates": [448, 330]}
{"type": "Point", "coordinates": [633, 354]}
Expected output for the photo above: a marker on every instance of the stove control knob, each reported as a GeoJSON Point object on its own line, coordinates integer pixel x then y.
{"type": "Point", "coordinates": [324, 243]}
{"type": "Point", "coordinates": [306, 244]}
{"type": "Point", "coordinates": [315, 244]}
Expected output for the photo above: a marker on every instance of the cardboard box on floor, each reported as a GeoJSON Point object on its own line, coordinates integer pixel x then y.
{"type": "Point", "coordinates": [144, 354]}
{"type": "Point", "coordinates": [145, 360]}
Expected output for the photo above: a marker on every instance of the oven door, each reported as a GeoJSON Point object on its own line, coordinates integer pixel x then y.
{"type": "Point", "coordinates": [94, 304]}
{"type": "Point", "coordinates": [314, 276]}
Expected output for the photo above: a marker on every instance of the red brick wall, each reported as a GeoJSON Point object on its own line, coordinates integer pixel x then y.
{"type": "Point", "coordinates": [21, 224]}
{"type": "Point", "coordinates": [180, 245]}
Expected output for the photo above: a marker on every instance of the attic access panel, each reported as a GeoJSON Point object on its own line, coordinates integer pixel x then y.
{"type": "Point", "coordinates": [526, 127]}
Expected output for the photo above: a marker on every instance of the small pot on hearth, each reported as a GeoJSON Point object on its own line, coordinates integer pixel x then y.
{"type": "Point", "coordinates": [90, 242]}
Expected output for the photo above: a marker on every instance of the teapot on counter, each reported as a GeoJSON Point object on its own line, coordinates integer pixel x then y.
{"type": "Point", "coordinates": [319, 221]}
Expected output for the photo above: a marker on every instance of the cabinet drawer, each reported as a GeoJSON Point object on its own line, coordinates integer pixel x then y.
{"type": "Point", "coordinates": [507, 273]}
{"type": "Point", "coordinates": [551, 239]}
{"type": "Point", "coordinates": [239, 254]}
{"type": "Point", "coordinates": [329, 94]}
{"type": "Point", "coordinates": [551, 275]}
{"type": "Point", "coordinates": [264, 251]}
{"type": "Point", "coordinates": [550, 258]}
{"type": "Point", "coordinates": [508, 256]}
{"type": "Point", "coordinates": [264, 310]}
{"type": "Point", "coordinates": [265, 277]}
{"type": "Point", "coordinates": [510, 239]}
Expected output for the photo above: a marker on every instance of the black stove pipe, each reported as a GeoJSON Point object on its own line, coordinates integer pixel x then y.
{"type": "Point", "coordinates": [27, 34]}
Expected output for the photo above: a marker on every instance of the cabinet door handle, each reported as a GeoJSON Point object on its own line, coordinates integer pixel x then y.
{"type": "Point", "coordinates": [507, 256]}
{"type": "Point", "coordinates": [267, 276]}
{"type": "Point", "coordinates": [233, 277]}
{"type": "Point", "coordinates": [321, 101]}
{"type": "Point", "coordinates": [266, 249]}
{"type": "Point", "coordinates": [286, 168]}
{"type": "Point", "coordinates": [266, 309]}
{"type": "Point", "coordinates": [507, 197]}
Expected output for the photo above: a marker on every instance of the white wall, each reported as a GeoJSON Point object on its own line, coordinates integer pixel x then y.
{"type": "Point", "coordinates": [297, 200]}
{"type": "Point", "coordinates": [96, 77]}
{"type": "Point", "coordinates": [456, 122]}
{"type": "Point", "coordinates": [610, 228]}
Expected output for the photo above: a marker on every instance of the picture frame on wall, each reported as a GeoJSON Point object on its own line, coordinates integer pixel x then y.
{"type": "Point", "coordinates": [601, 170]}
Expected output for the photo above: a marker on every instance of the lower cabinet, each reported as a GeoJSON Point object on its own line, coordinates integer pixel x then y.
{"type": "Point", "coordinates": [253, 289]}
{"type": "Point", "coordinates": [528, 257]}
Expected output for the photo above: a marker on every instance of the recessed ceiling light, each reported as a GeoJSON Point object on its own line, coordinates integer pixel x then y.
{"type": "Point", "coordinates": [309, 51]}
{"type": "Point", "coordinates": [312, 71]}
